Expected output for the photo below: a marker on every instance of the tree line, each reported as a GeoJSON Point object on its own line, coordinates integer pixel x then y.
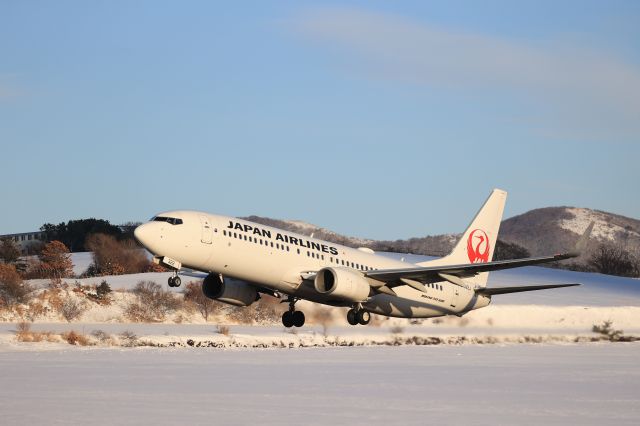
{"type": "Point", "coordinates": [74, 233]}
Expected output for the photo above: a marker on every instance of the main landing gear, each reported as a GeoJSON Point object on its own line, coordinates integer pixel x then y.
{"type": "Point", "coordinates": [358, 315]}
{"type": "Point", "coordinates": [174, 280]}
{"type": "Point", "coordinates": [292, 317]}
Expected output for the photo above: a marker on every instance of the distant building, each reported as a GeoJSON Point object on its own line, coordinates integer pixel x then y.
{"type": "Point", "coordinates": [26, 239]}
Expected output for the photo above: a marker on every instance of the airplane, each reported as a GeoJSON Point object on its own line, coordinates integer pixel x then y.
{"type": "Point", "coordinates": [241, 260]}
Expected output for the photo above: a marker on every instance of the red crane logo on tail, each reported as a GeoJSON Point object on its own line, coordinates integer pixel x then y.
{"type": "Point", "coordinates": [478, 246]}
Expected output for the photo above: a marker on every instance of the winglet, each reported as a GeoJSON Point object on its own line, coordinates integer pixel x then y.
{"type": "Point", "coordinates": [581, 245]}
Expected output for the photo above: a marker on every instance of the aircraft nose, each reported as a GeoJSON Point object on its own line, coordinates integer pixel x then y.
{"type": "Point", "coordinates": [142, 234]}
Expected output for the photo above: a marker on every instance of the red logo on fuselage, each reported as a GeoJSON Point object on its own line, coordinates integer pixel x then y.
{"type": "Point", "coordinates": [478, 246]}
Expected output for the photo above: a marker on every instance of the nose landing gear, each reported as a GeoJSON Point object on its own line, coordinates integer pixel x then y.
{"type": "Point", "coordinates": [174, 280]}
{"type": "Point", "coordinates": [292, 317]}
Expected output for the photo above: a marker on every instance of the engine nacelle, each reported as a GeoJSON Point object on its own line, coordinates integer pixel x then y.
{"type": "Point", "coordinates": [343, 284]}
{"type": "Point", "coordinates": [233, 292]}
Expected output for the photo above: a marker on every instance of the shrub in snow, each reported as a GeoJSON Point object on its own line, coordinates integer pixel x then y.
{"type": "Point", "coordinates": [25, 334]}
{"type": "Point", "coordinates": [267, 310]}
{"type": "Point", "coordinates": [103, 337]}
{"type": "Point", "coordinates": [74, 338]}
{"type": "Point", "coordinates": [103, 290]}
{"type": "Point", "coordinates": [152, 304]}
{"type": "Point", "coordinates": [128, 338]}
{"type": "Point", "coordinates": [606, 329]}
{"type": "Point", "coordinates": [194, 296]}
{"type": "Point", "coordinates": [12, 289]}
{"type": "Point", "coordinates": [397, 329]}
{"type": "Point", "coordinates": [71, 309]}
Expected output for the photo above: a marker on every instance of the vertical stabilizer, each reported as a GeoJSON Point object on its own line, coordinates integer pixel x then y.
{"type": "Point", "coordinates": [478, 242]}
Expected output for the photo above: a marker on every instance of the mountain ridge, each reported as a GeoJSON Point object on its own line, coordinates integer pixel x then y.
{"type": "Point", "coordinates": [542, 231]}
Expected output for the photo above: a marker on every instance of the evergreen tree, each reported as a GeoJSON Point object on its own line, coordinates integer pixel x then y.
{"type": "Point", "coordinates": [56, 261]}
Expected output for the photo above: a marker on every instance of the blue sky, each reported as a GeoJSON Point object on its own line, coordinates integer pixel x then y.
{"type": "Point", "coordinates": [374, 119]}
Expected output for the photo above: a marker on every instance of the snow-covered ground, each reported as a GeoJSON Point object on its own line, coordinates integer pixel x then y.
{"type": "Point", "coordinates": [310, 377]}
{"type": "Point", "coordinates": [476, 384]}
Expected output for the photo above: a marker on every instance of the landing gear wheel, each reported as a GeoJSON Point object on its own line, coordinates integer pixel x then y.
{"type": "Point", "coordinates": [298, 318]}
{"type": "Point", "coordinates": [287, 319]}
{"type": "Point", "coordinates": [177, 281]}
{"type": "Point", "coordinates": [351, 317]}
{"type": "Point", "coordinates": [170, 282]}
{"type": "Point", "coordinates": [363, 317]}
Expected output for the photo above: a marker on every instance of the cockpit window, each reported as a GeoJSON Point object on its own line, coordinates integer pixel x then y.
{"type": "Point", "coordinates": [171, 220]}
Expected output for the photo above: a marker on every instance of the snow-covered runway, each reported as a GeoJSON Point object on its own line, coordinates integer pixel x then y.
{"type": "Point", "coordinates": [592, 383]}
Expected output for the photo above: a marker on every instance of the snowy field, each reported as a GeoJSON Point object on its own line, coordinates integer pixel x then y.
{"type": "Point", "coordinates": [476, 384]}
{"type": "Point", "coordinates": [478, 369]}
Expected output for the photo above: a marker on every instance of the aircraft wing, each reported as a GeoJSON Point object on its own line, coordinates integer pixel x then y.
{"type": "Point", "coordinates": [431, 274]}
{"type": "Point", "coordinates": [507, 290]}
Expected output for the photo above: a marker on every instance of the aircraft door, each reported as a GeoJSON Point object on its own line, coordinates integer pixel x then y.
{"type": "Point", "coordinates": [455, 295]}
{"type": "Point", "coordinates": [206, 229]}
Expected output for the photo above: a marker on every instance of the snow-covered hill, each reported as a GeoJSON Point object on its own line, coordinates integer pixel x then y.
{"type": "Point", "coordinates": [556, 229]}
{"type": "Point", "coordinates": [541, 232]}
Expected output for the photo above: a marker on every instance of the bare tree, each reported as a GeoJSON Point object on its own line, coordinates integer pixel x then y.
{"type": "Point", "coordinates": [614, 260]}
{"type": "Point", "coordinates": [193, 294]}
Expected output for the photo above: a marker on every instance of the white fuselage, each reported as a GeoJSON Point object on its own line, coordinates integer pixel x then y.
{"type": "Point", "coordinates": [279, 260]}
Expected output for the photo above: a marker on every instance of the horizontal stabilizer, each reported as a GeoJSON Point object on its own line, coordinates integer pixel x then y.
{"type": "Point", "coordinates": [506, 290]}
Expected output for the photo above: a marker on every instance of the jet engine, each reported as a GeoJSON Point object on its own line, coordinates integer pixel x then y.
{"type": "Point", "coordinates": [342, 283]}
{"type": "Point", "coordinates": [233, 292]}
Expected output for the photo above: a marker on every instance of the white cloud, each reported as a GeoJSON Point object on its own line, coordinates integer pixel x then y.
{"type": "Point", "coordinates": [584, 93]}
